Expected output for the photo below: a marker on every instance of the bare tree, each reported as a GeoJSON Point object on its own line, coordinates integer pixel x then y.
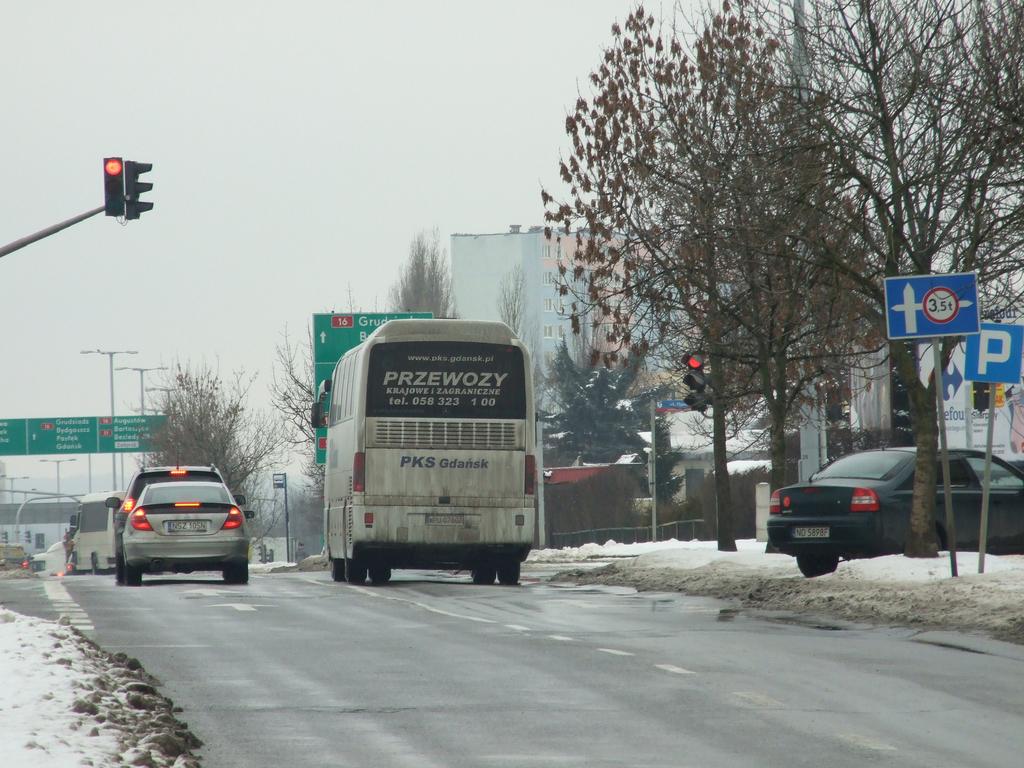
{"type": "Point", "coordinates": [425, 282]}
{"type": "Point", "coordinates": [512, 299]}
{"type": "Point", "coordinates": [291, 391]}
{"type": "Point", "coordinates": [914, 100]}
{"type": "Point", "coordinates": [689, 194]}
{"type": "Point", "coordinates": [209, 421]}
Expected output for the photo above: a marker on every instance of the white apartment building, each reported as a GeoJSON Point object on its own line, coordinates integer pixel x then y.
{"type": "Point", "coordinates": [481, 261]}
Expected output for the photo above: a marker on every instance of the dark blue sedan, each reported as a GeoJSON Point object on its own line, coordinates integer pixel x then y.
{"type": "Point", "coordinates": [859, 506]}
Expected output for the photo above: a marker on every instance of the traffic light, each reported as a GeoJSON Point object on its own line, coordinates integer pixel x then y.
{"type": "Point", "coordinates": [5, 537]}
{"type": "Point", "coordinates": [28, 537]}
{"type": "Point", "coordinates": [113, 186]}
{"type": "Point", "coordinates": [133, 207]}
{"type": "Point", "coordinates": [696, 380]}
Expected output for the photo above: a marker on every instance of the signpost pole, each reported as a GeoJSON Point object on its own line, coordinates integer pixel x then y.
{"type": "Point", "coordinates": [287, 524]}
{"type": "Point", "coordinates": [947, 491]}
{"type": "Point", "coordinates": [651, 474]}
{"type": "Point", "coordinates": [983, 532]}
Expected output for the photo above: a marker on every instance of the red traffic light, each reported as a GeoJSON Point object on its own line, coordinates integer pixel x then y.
{"type": "Point", "coordinates": [696, 362]}
{"type": "Point", "coordinates": [113, 166]}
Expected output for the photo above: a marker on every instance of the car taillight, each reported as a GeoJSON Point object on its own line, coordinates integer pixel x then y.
{"type": "Point", "coordinates": [234, 519]}
{"type": "Point", "coordinates": [775, 505]}
{"type": "Point", "coordinates": [359, 472]}
{"type": "Point", "coordinates": [864, 500]}
{"type": "Point", "coordinates": [139, 520]}
{"type": "Point", "coordinates": [530, 480]}
{"type": "Point", "coordinates": [129, 504]}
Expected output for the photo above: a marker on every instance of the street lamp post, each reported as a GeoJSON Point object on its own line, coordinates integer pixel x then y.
{"type": "Point", "coordinates": [142, 379]}
{"type": "Point", "coordinates": [58, 462]}
{"type": "Point", "coordinates": [142, 393]}
{"type": "Point", "coordinates": [11, 479]}
{"type": "Point", "coordinates": [110, 354]}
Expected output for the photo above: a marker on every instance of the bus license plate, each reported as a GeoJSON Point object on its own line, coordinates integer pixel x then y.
{"type": "Point", "coordinates": [186, 526]}
{"type": "Point", "coordinates": [808, 532]}
{"type": "Point", "coordinates": [446, 519]}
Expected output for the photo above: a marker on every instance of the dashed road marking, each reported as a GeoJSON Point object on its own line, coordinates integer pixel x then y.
{"type": "Point", "coordinates": [758, 699]}
{"type": "Point", "coordinates": [66, 607]}
{"type": "Point", "coordinates": [561, 638]}
{"type": "Point", "coordinates": [865, 742]}
{"type": "Point", "coordinates": [615, 652]}
{"type": "Point", "coordinates": [674, 669]}
{"type": "Point", "coordinates": [418, 604]}
{"type": "Point", "coordinates": [518, 627]}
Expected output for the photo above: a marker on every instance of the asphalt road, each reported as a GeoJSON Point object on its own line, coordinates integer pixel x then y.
{"type": "Point", "coordinates": [434, 672]}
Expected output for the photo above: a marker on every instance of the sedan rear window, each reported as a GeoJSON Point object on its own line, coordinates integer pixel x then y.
{"type": "Point", "coordinates": [172, 492]}
{"type": "Point", "coordinates": [870, 465]}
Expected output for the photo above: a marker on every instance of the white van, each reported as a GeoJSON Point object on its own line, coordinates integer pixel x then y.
{"type": "Point", "coordinates": [93, 537]}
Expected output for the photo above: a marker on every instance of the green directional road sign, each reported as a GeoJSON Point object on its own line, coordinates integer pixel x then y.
{"type": "Point", "coordinates": [336, 333]}
{"type": "Point", "coordinates": [78, 434]}
{"type": "Point", "coordinates": [12, 437]}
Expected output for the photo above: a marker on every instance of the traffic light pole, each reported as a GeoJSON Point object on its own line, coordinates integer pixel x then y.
{"type": "Point", "coordinates": [19, 244]}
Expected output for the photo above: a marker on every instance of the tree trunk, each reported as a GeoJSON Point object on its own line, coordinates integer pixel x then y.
{"type": "Point", "coordinates": [723, 496]}
{"type": "Point", "coordinates": [921, 539]}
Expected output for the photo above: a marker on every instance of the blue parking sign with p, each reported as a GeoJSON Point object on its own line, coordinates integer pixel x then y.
{"type": "Point", "coordinates": [995, 355]}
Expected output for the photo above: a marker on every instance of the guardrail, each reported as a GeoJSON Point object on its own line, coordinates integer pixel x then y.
{"type": "Point", "coordinates": [682, 530]}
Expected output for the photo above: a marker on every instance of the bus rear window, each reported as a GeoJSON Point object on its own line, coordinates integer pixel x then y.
{"type": "Point", "coordinates": [446, 379]}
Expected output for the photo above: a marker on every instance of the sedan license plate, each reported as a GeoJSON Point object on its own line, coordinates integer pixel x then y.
{"type": "Point", "coordinates": [811, 532]}
{"type": "Point", "coordinates": [186, 526]}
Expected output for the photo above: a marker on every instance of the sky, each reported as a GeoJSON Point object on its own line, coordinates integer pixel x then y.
{"type": "Point", "coordinates": [297, 148]}
{"type": "Point", "coordinates": [39, 711]}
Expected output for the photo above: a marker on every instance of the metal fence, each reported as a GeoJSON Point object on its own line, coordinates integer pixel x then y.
{"type": "Point", "coordinates": [682, 530]}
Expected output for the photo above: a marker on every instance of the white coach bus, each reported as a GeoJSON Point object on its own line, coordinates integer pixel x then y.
{"type": "Point", "coordinates": [430, 452]}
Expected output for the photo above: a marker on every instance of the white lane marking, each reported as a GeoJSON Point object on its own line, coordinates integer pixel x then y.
{"type": "Point", "coordinates": [563, 638]}
{"type": "Point", "coordinates": [758, 699]}
{"type": "Point", "coordinates": [615, 652]}
{"type": "Point", "coordinates": [240, 606]}
{"type": "Point", "coordinates": [204, 592]}
{"type": "Point", "coordinates": [674, 669]}
{"type": "Point", "coordinates": [418, 604]}
{"type": "Point", "coordinates": [519, 627]}
{"type": "Point", "coordinates": [66, 607]}
{"type": "Point", "coordinates": [865, 742]}
{"type": "Point", "coordinates": [159, 645]}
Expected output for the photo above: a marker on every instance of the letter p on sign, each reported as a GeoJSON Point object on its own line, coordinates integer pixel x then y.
{"type": "Point", "coordinates": [995, 354]}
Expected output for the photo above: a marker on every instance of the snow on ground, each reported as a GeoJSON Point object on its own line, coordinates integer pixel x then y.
{"type": "Point", "coordinates": [76, 705]}
{"type": "Point", "coordinates": [64, 702]}
{"type": "Point", "coordinates": [892, 590]}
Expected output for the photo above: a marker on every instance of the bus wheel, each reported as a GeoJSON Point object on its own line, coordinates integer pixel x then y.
{"type": "Point", "coordinates": [483, 574]}
{"type": "Point", "coordinates": [380, 574]}
{"type": "Point", "coordinates": [508, 573]}
{"type": "Point", "coordinates": [338, 568]}
{"type": "Point", "coordinates": [356, 573]}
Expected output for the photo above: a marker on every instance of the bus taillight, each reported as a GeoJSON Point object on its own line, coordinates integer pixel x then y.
{"type": "Point", "coordinates": [530, 484]}
{"type": "Point", "coordinates": [358, 472]}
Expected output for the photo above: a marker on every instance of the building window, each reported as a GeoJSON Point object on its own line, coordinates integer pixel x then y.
{"type": "Point", "coordinates": [561, 331]}
{"type": "Point", "coordinates": [549, 305]}
{"type": "Point", "coordinates": [549, 278]}
{"type": "Point", "coordinates": [549, 331]}
{"type": "Point", "coordinates": [40, 541]}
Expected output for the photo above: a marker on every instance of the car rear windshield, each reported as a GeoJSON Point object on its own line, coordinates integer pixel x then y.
{"type": "Point", "coordinates": [446, 379]}
{"type": "Point", "coordinates": [870, 465]}
{"type": "Point", "coordinates": [172, 492]}
{"type": "Point", "coordinates": [165, 476]}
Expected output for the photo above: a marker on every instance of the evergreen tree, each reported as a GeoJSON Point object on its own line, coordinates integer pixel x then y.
{"type": "Point", "coordinates": [594, 417]}
{"type": "Point", "coordinates": [665, 462]}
